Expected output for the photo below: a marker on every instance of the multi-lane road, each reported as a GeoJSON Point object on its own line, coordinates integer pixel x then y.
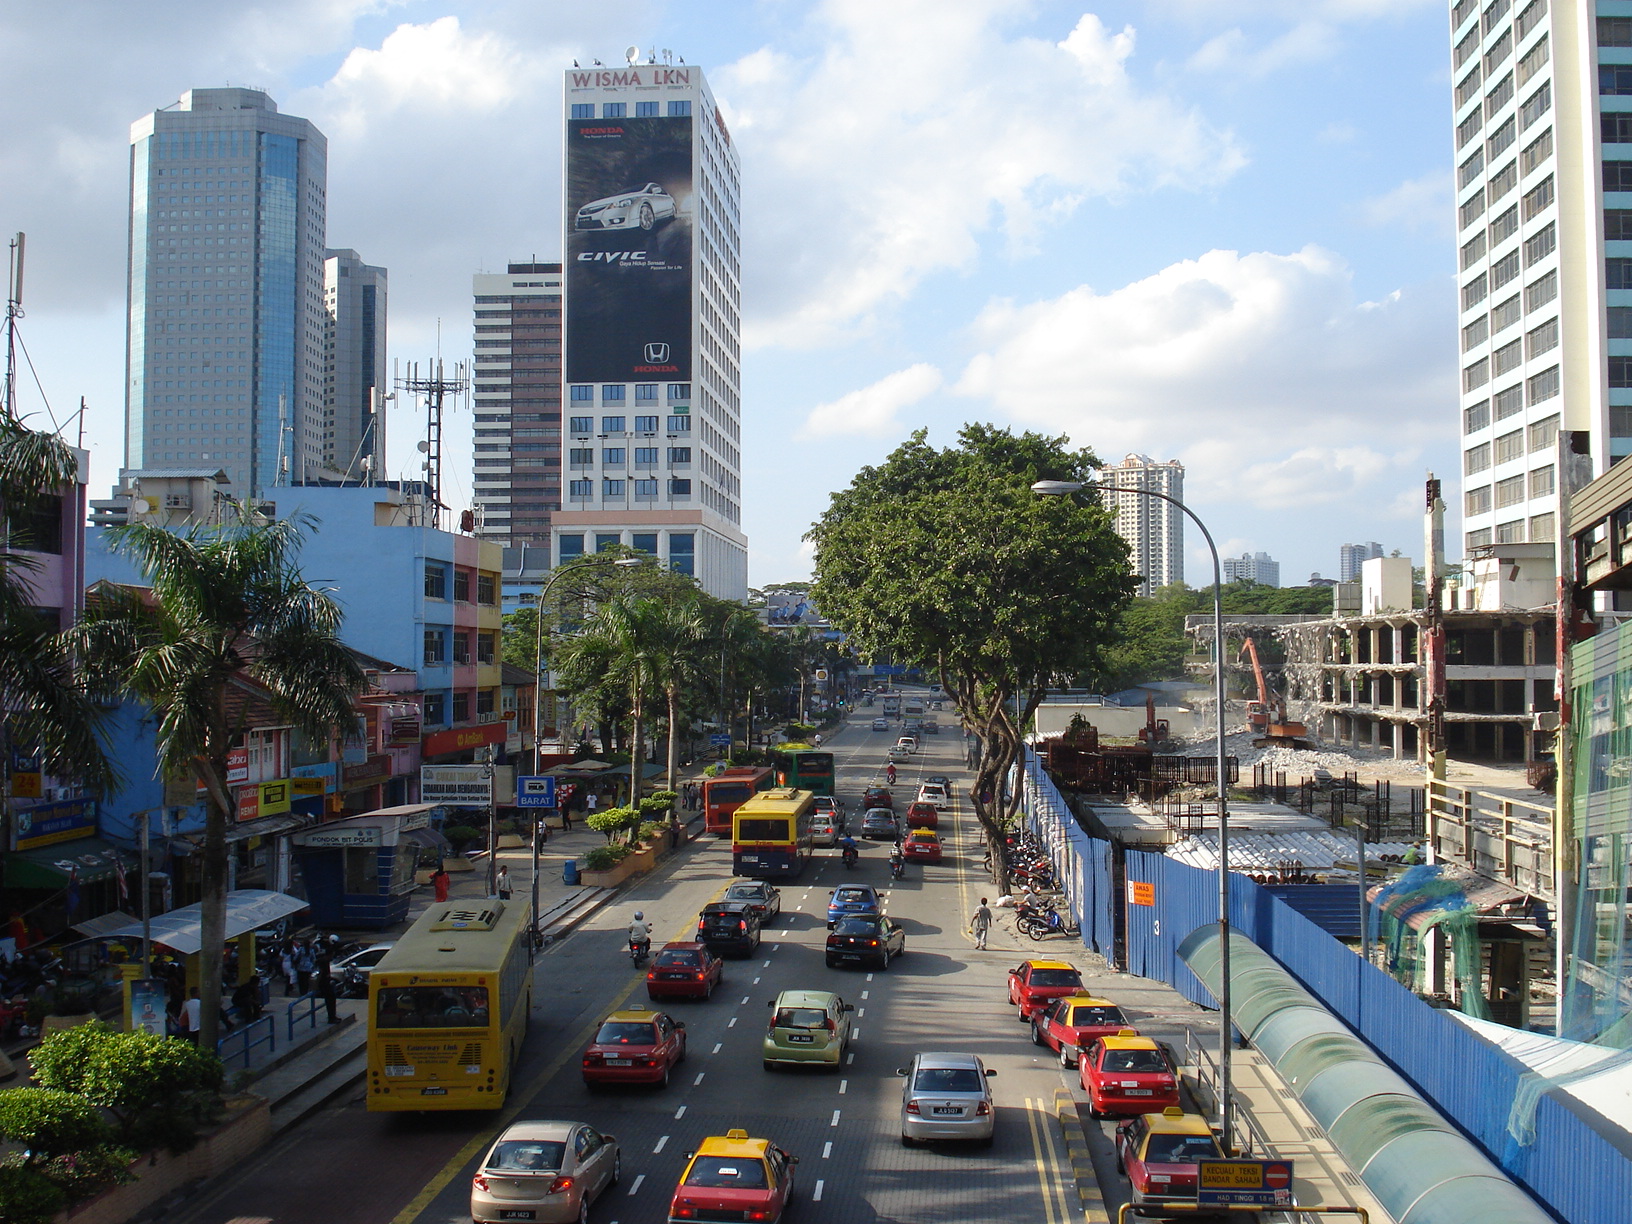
{"type": "Point", "coordinates": [346, 1164]}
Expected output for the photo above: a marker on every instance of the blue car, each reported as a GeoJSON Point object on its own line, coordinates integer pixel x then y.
{"type": "Point", "coordinates": [848, 899]}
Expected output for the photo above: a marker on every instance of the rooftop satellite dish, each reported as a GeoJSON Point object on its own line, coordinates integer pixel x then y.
{"type": "Point", "coordinates": [423, 446]}
{"type": "Point", "coordinates": [631, 54]}
{"type": "Point", "coordinates": [140, 505]}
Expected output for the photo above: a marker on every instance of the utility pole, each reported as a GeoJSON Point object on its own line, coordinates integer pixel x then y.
{"type": "Point", "coordinates": [14, 311]}
{"type": "Point", "coordinates": [435, 387]}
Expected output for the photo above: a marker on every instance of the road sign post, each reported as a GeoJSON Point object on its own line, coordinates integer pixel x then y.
{"type": "Point", "coordinates": [535, 791]}
{"type": "Point", "coordinates": [1244, 1183]}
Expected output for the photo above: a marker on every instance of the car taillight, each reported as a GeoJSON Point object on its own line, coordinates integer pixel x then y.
{"type": "Point", "coordinates": [701, 974]}
{"type": "Point", "coordinates": [982, 1109]}
{"type": "Point", "coordinates": [912, 1107]}
{"type": "Point", "coordinates": [591, 1060]}
{"type": "Point", "coordinates": [831, 1027]}
{"type": "Point", "coordinates": [676, 1211]}
{"type": "Point", "coordinates": [742, 928]}
{"type": "Point", "coordinates": [757, 1215]}
{"type": "Point", "coordinates": [479, 1182]}
{"type": "Point", "coordinates": [560, 1185]}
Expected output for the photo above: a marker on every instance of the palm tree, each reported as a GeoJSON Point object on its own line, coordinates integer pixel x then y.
{"type": "Point", "coordinates": [225, 602]}
{"type": "Point", "coordinates": [682, 651]}
{"type": "Point", "coordinates": [45, 707]}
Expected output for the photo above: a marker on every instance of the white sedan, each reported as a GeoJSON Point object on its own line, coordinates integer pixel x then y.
{"type": "Point", "coordinates": [639, 208]}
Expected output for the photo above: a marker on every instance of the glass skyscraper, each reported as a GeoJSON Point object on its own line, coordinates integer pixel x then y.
{"type": "Point", "coordinates": [224, 364]}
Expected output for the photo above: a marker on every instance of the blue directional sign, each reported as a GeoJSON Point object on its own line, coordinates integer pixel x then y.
{"type": "Point", "coordinates": [536, 792]}
{"type": "Point", "coordinates": [719, 739]}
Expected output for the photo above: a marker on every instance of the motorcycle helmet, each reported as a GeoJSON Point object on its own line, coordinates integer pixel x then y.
{"type": "Point", "coordinates": [639, 917]}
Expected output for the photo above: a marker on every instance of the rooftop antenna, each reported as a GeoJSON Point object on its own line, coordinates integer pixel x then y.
{"type": "Point", "coordinates": [14, 311]}
{"type": "Point", "coordinates": [435, 387]}
{"type": "Point", "coordinates": [631, 54]}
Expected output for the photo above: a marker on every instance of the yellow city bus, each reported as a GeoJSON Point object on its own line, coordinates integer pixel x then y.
{"type": "Point", "coordinates": [770, 833]}
{"type": "Point", "coordinates": [448, 1007]}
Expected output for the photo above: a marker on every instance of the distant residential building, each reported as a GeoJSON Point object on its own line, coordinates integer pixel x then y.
{"type": "Point", "coordinates": [352, 446]}
{"type": "Point", "coordinates": [1350, 557]}
{"type": "Point", "coordinates": [1315, 580]}
{"type": "Point", "coordinates": [1253, 567]}
{"type": "Point", "coordinates": [1153, 528]}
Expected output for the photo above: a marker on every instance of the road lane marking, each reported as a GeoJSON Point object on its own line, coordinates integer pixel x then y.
{"type": "Point", "coordinates": [661, 1144]}
{"type": "Point", "coordinates": [865, 993]}
{"type": "Point", "coordinates": [634, 1187]}
{"type": "Point", "coordinates": [756, 981]}
{"type": "Point", "coordinates": [731, 1023]}
{"type": "Point", "coordinates": [699, 1078]}
{"type": "Point", "coordinates": [776, 947]}
{"type": "Point", "coordinates": [744, 999]}
{"type": "Point", "coordinates": [680, 1113]}
{"type": "Point", "coordinates": [849, 1058]}
{"type": "Point", "coordinates": [835, 1121]}
{"type": "Point", "coordinates": [855, 1034]}
{"type": "Point", "coordinates": [827, 1149]}
{"type": "Point", "coordinates": [765, 964]}
{"type": "Point", "coordinates": [844, 1087]}
{"type": "Point", "coordinates": [862, 1012]}
{"type": "Point", "coordinates": [716, 1047]}
{"type": "Point", "coordinates": [816, 1194]}
{"type": "Point", "coordinates": [1049, 1177]}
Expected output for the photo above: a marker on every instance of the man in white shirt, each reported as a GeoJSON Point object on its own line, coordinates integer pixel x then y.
{"type": "Point", "coordinates": [190, 1013]}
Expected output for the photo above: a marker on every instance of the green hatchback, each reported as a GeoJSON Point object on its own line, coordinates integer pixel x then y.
{"type": "Point", "coordinates": [807, 1026]}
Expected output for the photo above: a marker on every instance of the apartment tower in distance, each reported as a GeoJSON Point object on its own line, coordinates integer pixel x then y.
{"type": "Point", "coordinates": [652, 327]}
{"type": "Point", "coordinates": [1153, 528]}
{"type": "Point", "coordinates": [226, 320]}
{"type": "Point", "coordinates": [1350, 557]}
{"type": "Point", "coordinates": [518, 404]}
{"type": "Point", "coordinates": [352, 446]}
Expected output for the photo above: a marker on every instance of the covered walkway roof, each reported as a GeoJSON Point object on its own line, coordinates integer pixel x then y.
{"type": "Point", "coordinates": [247, 909]}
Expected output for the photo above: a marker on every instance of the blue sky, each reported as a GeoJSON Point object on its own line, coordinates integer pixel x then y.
{"type": "Point", "coordinates": [1211, 230]}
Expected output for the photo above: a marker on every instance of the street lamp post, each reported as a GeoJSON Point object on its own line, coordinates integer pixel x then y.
{"type": "Point", "coordinates": [1060, 488]}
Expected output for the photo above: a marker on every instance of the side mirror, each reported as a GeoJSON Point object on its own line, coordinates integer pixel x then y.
{"type": "Point", "coordinates": [849, 1007]}
{"type": "Point", "coordinates": [609, 1138]}
{"type": "Point", "coordinates": [689, 1155]}
{"type": "Point", "coordinates": [793, 1160]}
{"type": "Point", "coordinates": [770, 1002]}
{"type": "Point", "coordinates": [990, 1071]}
{"type": "Point", "coordinates": [680, 1025]}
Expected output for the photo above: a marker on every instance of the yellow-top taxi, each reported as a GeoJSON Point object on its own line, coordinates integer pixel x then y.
{"type": "Point", "coordinates": [922, 844]}
{"type": "Point", "coordinates": [733, 1177]}
{"type": "Point", "coordinates": [1128, 1074]}
{"type": "Point", "coordinates": [1034, 984]}
{"type": "Point", "coordinates": [1159, 1154]}
{"type": "Point", "coordinates": [1068, 1024]}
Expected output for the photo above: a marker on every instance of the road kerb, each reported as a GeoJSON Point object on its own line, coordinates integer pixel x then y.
{"type": "Point", "coordinates": [1082, 1160]}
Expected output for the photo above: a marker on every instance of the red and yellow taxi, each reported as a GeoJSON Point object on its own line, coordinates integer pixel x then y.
{"type": "Point", "coordinates": [635, 1046]}
{"type": "Point", "coordinates": [922, 815]}
{"type": "Point", "coordinates": [1159, 1155]}
{"type": "Point", "coordinates": [1128, 1074]}
{"type": "Point", "coordinates": [683, 971]}
{"type": "Point", "coordinates": [923, 845]}
{"type": "Point", "coordinates": [1034, 984]}
{"type": "Point", "coordinates": [1068, 1024]}
{"type": "Point", "coordinates": [733, 1177]}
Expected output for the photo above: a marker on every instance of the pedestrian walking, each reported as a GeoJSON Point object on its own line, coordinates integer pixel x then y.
{"type": "Point", "coordinates": [590, 800]}
{"type": "Point", "coordinates": [440, 879]}
{"type": "Point", "coordinates": [305, 966]}
{"type": "Point", "coordinates": [325, 983]}
{"type": "Point", "coordinates": [286, 962]}
{"type": "Point", "coordinates": [981, 923]}
{"type": "Point", "coordinates": [566, 817]}
{"type": "Point", "coordinates": [501, 884]}
{"type": "Point", "coordinates": [191, 1013]}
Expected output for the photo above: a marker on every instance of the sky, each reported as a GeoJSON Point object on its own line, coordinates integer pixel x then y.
{"type": "Point", "coordinates": [1217, 231]}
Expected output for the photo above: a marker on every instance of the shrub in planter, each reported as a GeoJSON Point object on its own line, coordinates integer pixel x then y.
{"type": "Point", "coordinates": [461, 837]}
{"type": "Point", "coordinates": [604, 858]}
{"type": "Point", "coordinates": [613, 822]}
{"type": "Point", "coordinates": [68, 1145]}
{"type": "Point", "coordinates": [652, 829]}
{"type": "Point", "coordinates": [26, 1195]}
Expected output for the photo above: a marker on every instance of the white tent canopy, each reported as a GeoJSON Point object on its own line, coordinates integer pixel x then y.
{"type": "Point", "coordinates": [247, 908]}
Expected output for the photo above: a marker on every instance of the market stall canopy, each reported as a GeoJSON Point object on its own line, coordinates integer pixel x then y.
{"type": "Point", "coordinates": [247, 909]}
{"type": "Point", "coordinates": [579, 767]}
{"type": "Point", "coordinates": [49, 866]}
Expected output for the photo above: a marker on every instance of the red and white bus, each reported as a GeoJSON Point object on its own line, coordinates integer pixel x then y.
{"type": "Point", "coordinates": [728, 790]}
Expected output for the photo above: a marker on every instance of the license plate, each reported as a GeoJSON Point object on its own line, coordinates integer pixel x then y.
{"type": "Point", "coordinates": [1140, 1092]}
{"type": "Point", "coordinates": [512, 1214]}
{"type": "Point", "coordinates": [800, 1038]}
{"type": "Point", "coordinates": [433, 1092]}
{"type": "Point", "coordinates": [619, 1062]}
{"type": "Point", "coordinates": [947, 1110]}
{"type": "Point", "coordinates": [402, 1071]}
{"type": "Point", "coordinates": [672, 977]}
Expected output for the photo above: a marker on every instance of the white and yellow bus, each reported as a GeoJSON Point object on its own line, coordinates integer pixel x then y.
{"type": "Point", "coordinates": [448, 1007]}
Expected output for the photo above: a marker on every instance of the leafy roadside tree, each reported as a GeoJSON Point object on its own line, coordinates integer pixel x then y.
{"type": "Point", "coordinates": [224, 602]}
{"type": "Point", "coordinates": [945, 559]}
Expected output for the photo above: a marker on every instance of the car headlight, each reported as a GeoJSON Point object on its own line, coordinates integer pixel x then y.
{"type": "Point", "coordinates": [626, 203]}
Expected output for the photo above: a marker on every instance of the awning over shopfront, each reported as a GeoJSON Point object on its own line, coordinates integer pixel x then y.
{"type": "Point", "coordinates": [95, 928]}
{"type": "Point", "coordinates": [431, 839]}
{"type": "Point", "coordinates": [579, 769]}
{"type": "Point", "coordinates": [247, 909]}
{"type": "Point", "coordinates": [243, 830]}
{"type": "Point", "coordinates": [49, 866]}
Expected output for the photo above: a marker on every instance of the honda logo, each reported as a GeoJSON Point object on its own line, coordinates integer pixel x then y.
{"type": "Point", "coordinates": [657, 354]}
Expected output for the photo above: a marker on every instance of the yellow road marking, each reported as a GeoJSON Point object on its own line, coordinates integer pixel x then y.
{"type": "Point", "coordinates": [1055, 1210]}
{"type": "Point", "coordinates": [482, 1139]}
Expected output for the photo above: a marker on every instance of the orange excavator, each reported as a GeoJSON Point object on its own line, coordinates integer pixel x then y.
{"type": "Point", "coordinates": [1267, 715]}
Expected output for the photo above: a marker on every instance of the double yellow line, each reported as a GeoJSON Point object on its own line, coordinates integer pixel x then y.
{"type": "Point", "coordinates": [1055, 1179]}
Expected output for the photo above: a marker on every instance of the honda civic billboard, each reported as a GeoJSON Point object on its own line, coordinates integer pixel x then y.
{"type": "Point", "coordinates": [629, 217]}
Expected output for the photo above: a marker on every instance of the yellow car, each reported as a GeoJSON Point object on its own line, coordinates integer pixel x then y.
{"type": "Point", "coordinates": [733, 1177]}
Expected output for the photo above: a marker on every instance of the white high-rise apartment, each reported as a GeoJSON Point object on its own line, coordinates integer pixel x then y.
{"type": "Point", "coordinates": [1252, 567]}
{"type": "Point", "coordinates": [1153, 528]}
{"type": "Point", "coordinates": [354, 371]}
{"type": "Point", "coordinates": [224, 351]}
{"type": "Point", "coordinates": [1350, 557]}
{"type": "Point", "coordinates": [652, 346]}
{"type": "Point", "coordinates": [1543, 93]}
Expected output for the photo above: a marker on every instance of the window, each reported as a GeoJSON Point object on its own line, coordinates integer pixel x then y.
{"type": "Point", "coordinates": [1469, 170]}
{"type": "Point", "coordinates": [487, 590]}
{"type": "Point", "coordinates": [1540, 244]}
{"type": "Point", "coordinates": [1538, 197]}
{"type": "Point", "coordinates": [682, 454]}
{"type": "Point", "coordinates": [1476, 501]}
{"type": "Point", "coordinates": [1620, 371]}
{"type": "Point", "coordinates": [679, 392]}
{"type": "Point", "coordinates": [1499, 141]}
{"type": "Point", "coordinates": [614, 110]}
{"type": "Point", "coordinates": [583, 110]}
{"type": "Point", "coordinates": [434, 647]}
{"type": "Point", "coordinates": [1468, 45]}
{"type": "Point", "coordinates": [1615, 31]}
{"type": "Point", "coordinates": [485, 647]}
{"type": "Point", "coordinates": [1505, 315]}
{"type": "Point", "coordinates": [1504, 269]}
{"type": "Point", "coordinates": [1499, 51]}
{"type": "Point", "coordinates": [434, 706]}
{"type": "Point", "coordinates": [611, 488]}
{"type": "Point", "coordinates": [436, 582]}
{"type": "Point", "coordinates": [646, 393]}
{"type": "Point", "coordinates": [581, 425]}
{"type": "Point", "coordinates": [645, 424]}
{"type": "Point", "coordinates": [461, 648]}
{"type": "Point", "coordinates": [486, 701]}
{"type": "Point", "coordinates": [1478, 539]}
{"type": "Point", "coordinates": [1615, 79]}
{"type": "Point", "coordinates": [1469, 127]}
{"type": "Point", "coordinates": [1471, 208]}
{"type": "Point", "coordinates": [1618, 273]}
{"type": "Point", "coordinates": [679, 488]}
{"type": "Point", "coordinates": [461, 707]}
{"type": "Point", "coordinates": [461, 586]}
{"type": "Point", "coordinates": [1500, 96]}
{"type": "Point", "coordinates": [1617, 224]}
{"type": "Point", "coordinates": [581, 456]}
{"type": "Point", "coordinates": [1508, 401]}
{"type": "Point", "coordinates": [605, 540]}
{"type": "Point", "coordinates": [1494, 12]}
{"type": "Point", "coordinates": [646, 110]}
{"type": "Point", "coordinates": [1533, 12]}
{"type": "Point", "coordinates": [1504, 226]}
{"type": "Point", "coordinates": [1503, 181]}
{"type": "Point", "coordinates": [679, 424]}
{"type": "Point", "coordinates": [612, 424]}
{"type": "Point", "coordinates": [679, 110]}
{"type": "Point", "coordinates": [1536, 152]}
{"type": "Point", "coordinates": [1615, 127]}
{"type": "Point", "coordinates": [612, 456]}
{"type": "Point", "coordinates": [583, 395]}
{"type": "Point", "coordinates": [1468, 86]}
{"type": "Point", "coordinates": [1508, 447]}
{"type": "Point", "coordinates": [1476, 418]}
{"type": "Point", "coordinates": [1543, 386]}
{"type": "Point", "coordinates": [1476, 458]}
{"type": "Point", "coordinates": [580, 488]}
{"type": "Point", "coordinates": [1541, 339]}
{"type": "Point", "coordinates": [570, 547]}
{"type": "Point", "coordinates": [1543, 434]}
{"type": "Point", "coordinates": [682, 552]}
{"type": "Point", "coordinates": [612, 393]}
{"type": "Point", "coordinates": [1473, 251]}
{"type": "Point", "coordinates": [1618, 176]}
{"type": "Point", "coordinates": [645, 456]}
{"type": "Point", "coordinates": [1463, 10]}
{"type": "Point", "coordinates": [1509, 492]}
{"type": "Point", "coordinates": [646, 488]}
{"type": "Point", "coordinates": [1475, 333]}
{"type": "Point", "coordinates": [1541, 481]}
{"type": "Point", "coordinates": [1532, 61]}
{"type": "Point", "coordinates": [1474, 291]}
{"type": "Point", "coordinates": [644, 541]}
{"type": "Point", "coordinates": [1506, 358]}
{"type": "Point", "coordinates": [1541, 527]}
{"type": "Point", "coordinates": [1619, 319]}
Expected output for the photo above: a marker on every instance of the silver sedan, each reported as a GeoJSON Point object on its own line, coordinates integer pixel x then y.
{"type": "Point", "coordinates": [543, 1171]}
{"type": "Point", "coordinates": [946, 1096]}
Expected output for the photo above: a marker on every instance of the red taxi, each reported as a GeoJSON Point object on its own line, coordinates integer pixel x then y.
{"type": "Point", "coordinates": [1159, 1155]}
{"type": "Point", "coordinates": [1068, 1024]}
{"type": "Point", "coordinates": [733, 1177]}
{"type": "Point", "coordinates": [922, 815]}
{"type": "Point", "coordinates": [1128, 1074]}
{"type": "Point", "coordinates": [922, 845]}
{"type": "Point", "coordinates": [683, 971]}
{"type": "Point", "coordinates": [1034, 984]}
{"type": "Point", "coordinates": [635, 1046]}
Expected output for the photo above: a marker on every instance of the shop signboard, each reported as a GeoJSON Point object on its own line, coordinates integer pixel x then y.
{"type": "Point", "coordinates": [44, 824]}
{"type": "Point", "coordinates": [264, 799]}
{"type": "Point", "coordinates": [237, 765]}
{"type": "Point", "coordinates": [147, 1003]}
{"type": "Point", "coordinates": [340, 839]}
{"type": "Point", "coordinates": [460, 739]}
{"type": "Point", "coordinates": [456, 785]}
{"type": "Point", "coordinates": [328, 772]}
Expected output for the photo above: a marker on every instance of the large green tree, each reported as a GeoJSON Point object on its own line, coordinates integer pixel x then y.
{"type": "Point", "coordinates": [222, 602]}
{"type": "Point", "coordinates": [947, 560]}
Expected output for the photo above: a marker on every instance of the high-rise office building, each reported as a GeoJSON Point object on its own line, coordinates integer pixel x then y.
{"type": "Point", "coordinates": [518, 403]}
{"type": "Point", "coordinates": [1350, 557]}
{"type": "Point", "coordinates": [652, 291]}
{"type": "Point", "coordinates": [1544, 208]}
{"type": "Point", "coordinates": [224, 351]}
{"type": "Point", "coordinates": [1153, 528]}
{"type": "Point", "coordinates": [352, 446]}
{"type": "Point", "coordinates": [1253, 567]}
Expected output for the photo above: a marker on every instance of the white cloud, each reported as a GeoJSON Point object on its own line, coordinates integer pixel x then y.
{"type": "Point", "coordinates": [1417, 204]}
{"type": "Point", "coordinates": [1233, 53]}
{"type": "Point", "coordinates": [871, 411]}
{"type": "Point", "coordinates": [1260, 371]}
{"type": "Point", "coordinates": [920, 129]}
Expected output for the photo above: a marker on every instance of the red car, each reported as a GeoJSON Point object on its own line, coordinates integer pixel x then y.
{"type": "Point", "coordinates": [734, 1177]}
{"type": "Point", "coordinates": [1068, 1024]}
{"type": "Point", "coordinates": [1159, 1155]}
{"type": "Point", "coordinates": [922, 815]}
{"type": "Point", "coordinates": [876, 796]}
{"type": "Point", "coordinates": [635, 1046]}
{"type": "Point", "coordinates": [1034, 984]}
{"type": "Point", "coordinates": [923, 846]}
{"type": "Point", "coordinates": [683, 971]}
{"type": "Point", "coordinates": [1128, 1074]}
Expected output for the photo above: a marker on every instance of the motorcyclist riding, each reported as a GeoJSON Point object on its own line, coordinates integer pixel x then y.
{"type": "Point", "coordinates": [848, 848]}
{"type": "Point", "coordinates": [898, 863]}
{"type": "Point", "coordinates": [640, 937]}
{"type": "Point", "coordinates": [889, 774]}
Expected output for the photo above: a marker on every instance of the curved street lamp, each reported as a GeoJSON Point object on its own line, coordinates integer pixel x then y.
{"type": "Point", "coordinates": [1062, 488]}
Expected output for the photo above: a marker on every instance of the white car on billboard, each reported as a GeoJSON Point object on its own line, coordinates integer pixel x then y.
{"type": "Point", "coordinates": [639, 208]}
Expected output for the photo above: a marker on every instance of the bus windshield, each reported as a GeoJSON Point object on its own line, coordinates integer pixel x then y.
{"type": "Point", "coordinates": [764, 829]}
{"type": "Point", "coordinates": [436, 1007]}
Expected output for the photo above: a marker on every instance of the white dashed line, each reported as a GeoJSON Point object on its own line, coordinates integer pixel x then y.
{"type": "Point", "coordinates": [861, 1013]}
{"type": "Point", "coordinates": [869, 977]}
{"type": "Point", "coordinates": [756, 981]}
{"type": "Point", "coordinates": [680, 1113]}
{"type": "Point", "coordinates": [865, 993]}
{"type": "Point", "coordinates": [816, 1194]}
{"type": "Point", "coordinates": [835, 1121]}
{"type": "Point", "coordinates": [827, 1151]}
{"type": "Point", "coordinates": [855, 1034]}
{"type": "Point", "coordinates": [765, 964]}
{"type": "Point", "coordinates": [731, 1023]}
{"type": "Point", "coordinates": [699, 1078]}
{"type": "Point", "coordinates": [848, 1059]}
{"type": "Point", "coordinates": [661, 1144]}
{"type": "Point", "coordinates": [776, 947]}
{"type": "Point", "coordinates": [844, 1087]}
{"type": "Point", "coordinates": [634, 1188]}
{"type": "Point", "coordinates": [745, 998]}
{"type": "Point", "coordinates": [716, 1047]}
